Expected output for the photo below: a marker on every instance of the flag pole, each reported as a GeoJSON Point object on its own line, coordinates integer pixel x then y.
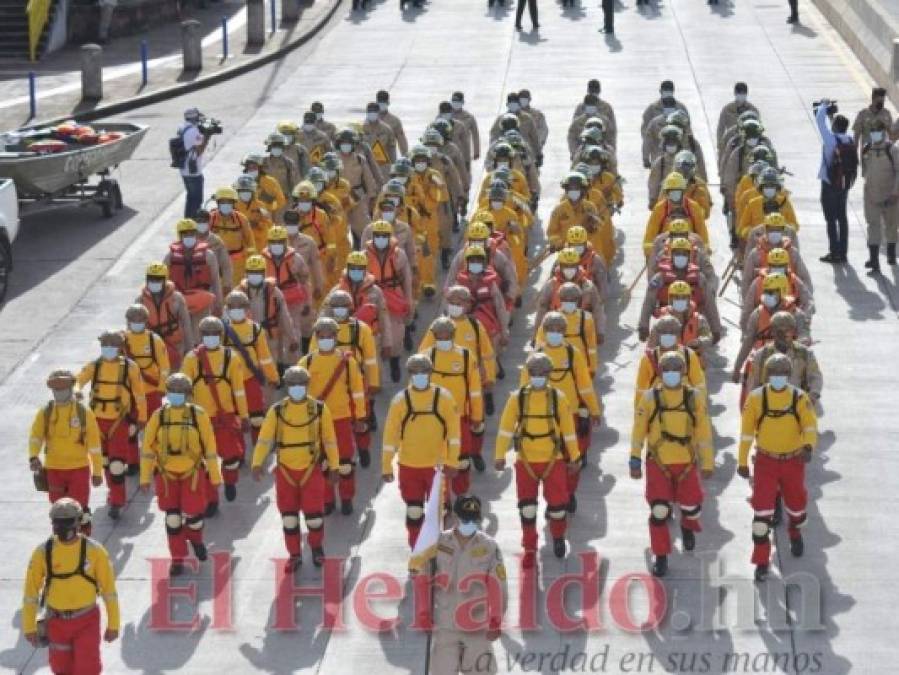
{"type": "Point", "coordinates": [432, 567]}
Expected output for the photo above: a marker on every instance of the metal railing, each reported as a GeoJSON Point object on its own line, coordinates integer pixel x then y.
{"type": "Point", "coordinates": [38, 12]}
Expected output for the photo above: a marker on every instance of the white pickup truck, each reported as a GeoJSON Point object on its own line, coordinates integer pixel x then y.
{"type": "Point", "coordinates": [9, 228]}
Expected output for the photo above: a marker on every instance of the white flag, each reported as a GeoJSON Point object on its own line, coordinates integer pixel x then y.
{"type": "Point", "coordinates": [426, 544]}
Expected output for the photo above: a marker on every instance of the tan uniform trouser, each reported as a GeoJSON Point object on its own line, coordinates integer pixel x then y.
{"type": "Point", "coordinates": [456, 652]}
{"type": "Point", "coordinates": [882, 222]}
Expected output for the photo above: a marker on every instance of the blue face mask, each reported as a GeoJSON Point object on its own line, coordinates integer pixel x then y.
{"type": "Point", "coordinates": [778, 382]}
{"type": "Point", "coordinates": [554, 339]}
{"type": "Point", "coordinates": [671, 378]}
{"type": "Point", "coordinates": [356, 275]}
{"type": "Point", "coordinates": [420, 380]}
{"type": "Point", "coordinates": [109, 353]}
{"type": "Point", "coordinates": [475, 267]}
{"type": "Point", "coordinates": [176, 400]}
{"type": "Point", "coordinates": [467, 528]}
{"type": "Point", "coordinates": [538, 381]}
{"type": "Point", "coordinates": [297, 392]}
{"type": "Point", "coordinates": [667, 340]}
{"type": "Point", "coordinates": [326, 344]}
{"type": "Point", "coordinates": [211, 341]}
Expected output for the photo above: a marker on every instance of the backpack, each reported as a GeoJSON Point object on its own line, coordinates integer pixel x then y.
{"type": "Point", "coordinates": [177, 151]}
{"type": "Point", "coordinates": [843, 169]}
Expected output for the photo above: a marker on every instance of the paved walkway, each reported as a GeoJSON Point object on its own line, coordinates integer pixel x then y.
{"type": "Point", "coordinates": [56, 312]}
{"type": "Point", "coordinates": [59, 76]}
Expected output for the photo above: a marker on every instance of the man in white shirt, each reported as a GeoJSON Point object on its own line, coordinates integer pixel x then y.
{"type": "Point", "coordinates": [192, 169]}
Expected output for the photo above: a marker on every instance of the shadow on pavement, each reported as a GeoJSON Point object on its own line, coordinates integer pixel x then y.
{"type": "Point", "coordinates": [863, 305]}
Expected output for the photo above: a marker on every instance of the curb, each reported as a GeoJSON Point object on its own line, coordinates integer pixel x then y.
{"type": "Point", "coordinates": [200, 83]}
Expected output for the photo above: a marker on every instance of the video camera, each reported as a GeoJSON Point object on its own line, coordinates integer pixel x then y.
{"type": "Point", "coordinates": [832, 109]}
{"type": "Point", "coordinates": [209, 126]}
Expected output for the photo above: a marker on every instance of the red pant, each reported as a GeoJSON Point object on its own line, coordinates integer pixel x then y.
{"type": "Point", "coordinates": [230, 446]}
{"type": "Point", "coordinates": [115, 457]}
{"type": "Point", "coordinates": [462, 480]}
{"type": "Point", "coordinates": [555, 492]}
{"type": "Point", "coordinates": [183, 499]}
{"type": "Point", "coordinates": [683, 488]}
{"type": "Point", "coordinates": [74, 483]}
{"type": "Point", "coordinates": [255, 404]}
{"type": "Point", "coordinates": [293, 496]}
{"type": "Point", "coordinates": [75, 644]}
{"type": "Point", "coordinates": [770, 477]}
{"type": "Point", "coordinates": [346, 448]}
{"type": "Point", "coordinates": [174, 351]}
{"type": "Point", "coordinates": [415, 487]}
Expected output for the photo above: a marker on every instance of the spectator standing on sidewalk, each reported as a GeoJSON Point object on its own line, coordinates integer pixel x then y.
{"type": "Point", "coordinates": [107, 7]}
{"type": "Point", "coordinates": [839, 167]}
{"type": "Point", "coordinates": [192, 170]}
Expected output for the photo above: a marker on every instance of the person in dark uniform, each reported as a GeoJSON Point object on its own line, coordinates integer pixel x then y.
{"type": "Point", "coordinates": [794, 12]}
{"type": "Point", "coordinates": [532, 10]}
{"type": "Point", "coordinates": [608, 17]}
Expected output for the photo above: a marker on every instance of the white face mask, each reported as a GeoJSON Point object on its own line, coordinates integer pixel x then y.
{"type": "Point", "coordinates": [580, 248]}
{"type": "Point", "coordinates": [569, 272]}
{"type": "Point", "coordinates": [514, 107]}
{"type": "Point", "coordinates": [769, 192]}
{"type": "Point", "coordinates": [290, 138]}
{"type": "Point", "coordinates": [226, 209]}
{"type": "Point", "coordinates": [346, 148]}
{"type": "Point", "coordinates": [319, 116]}
{"type": "Point", "coordinates": [297, 392]}
{"type": "Point", "coordinates": [381, 243]}
{"type": "Point", "coordinates": [371, 117]}
{"type": "Point", "coordinates": [245, 195]}
{"type": "Point", "coordinates": [457, 105]}
{"type": "Point", "coordinates": [680, 261]}
{"type": "Point", "coordinates": [237, 314]}
{"type": "Point", "coordinates": [341, 313]}
{"type": "Point", "coordinates": [109, 353]}
{"type": "Point", "coordinates": [467, 528]}
{"type": "Point", "coordinates": [292, 230]}
{"type": "Point", "coordinates": [670, 148]}
{"type": "Point", "coordinates": [676, 195]}
{"type": "Point", "coordinates": [574, 195]}
{"type": "Point", "coordinates": [137, 327]}
{"type": "Point", "coordinates": [496, 206]}
{"type": "Point", "coordinates": [475, 267]}
{"type": "Point", "coordinates": [876, 136]}
{"type": "Point", "coordinates": [211, 341]}
{"type": "Point", "coordinates": [538, 381]}
{"type": "Point", "coordinates": [671, 378]}
{"type": "Point", "coordinates": [304, 207]}
{"type": "Point", "coordinates": [308, 128]}
{"type": "Point", "coordinates": [155, 286]}
{"type": "Point", "coordinates": [277, 152]}
{"type": "Point", "coordinates": [203, 228]}
{"type": "Point", "coordinates": [189, 242]}
{"type": "Point", "coordinates": [276, 249]}
{"type": "Point", "coordinates": [319, 187]}
{"type": "Point", "coordinates": [455, 311]}
{"type": "Point", "coordinates": [420, 380]}
{"type": "Point", "coordinates": [502, 165]}
{"type": "Point", "coordinates": [525, 102]}
{"type": "Point", "coordinates": [775, 237]}
{"type": "Point", "coordinates": [770, 300]}
{"type": "Point", "coordinates": [389, 216]}
{"type": "Point", "coordinates": [255, 279]}
{"type": "Point", "coordinates": [252, 174]}
{"type": "Point", "coordinates": [782, 271]}
{"type": "Point", "coordinates": [568, 307]}
{"type": "Point", "coordinates": [421, 166]}
{"type": "Point", "coordinates": [332, 175]}
{"type": "Point", "coordinates": [443, 345]}
{"type": "Point", "coordinates": [326, 344]}
{"type": "Point", "coordinates": [778, 382]}
{"type": "Point", "coordinates": [62, 396]}
{"type": "Point", "coordinates": [383, 106]}
{"type": "Point", "coordinates": [667, 340]}
{"type": "Point", "coordinates": [680, 304]}
{"type": "Point", "coordinates": [590, 109]}
{"type": "Point", "coordinates": [752, 141]}
{"type": "Point", "coordinates": [445, 116]}
{"type": "Point", "coordinates": [554, 339]}
{"type": "Point", "coordinates": [740, 99]}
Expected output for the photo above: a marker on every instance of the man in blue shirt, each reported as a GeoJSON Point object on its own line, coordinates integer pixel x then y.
{"type": "Point", "coordinates": [833, 197]}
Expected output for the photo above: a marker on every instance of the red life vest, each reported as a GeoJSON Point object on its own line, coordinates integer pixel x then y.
{"type": "Point", "coordinates": [364, 310]}
{"type": "Point", "coordinates": [792, 290]}
{"type": "Point", "coordinates": [163, 321]}
{"type": "Point", "coordinates": [689, 328]}
{"type": "Point", "coordinates": [388, 279]}
{"type": "Point", "coordinates": [188, 270]}
{"type": "Point", "coordinates": [670, 214]}
{"type": "Point", "coordinates": [588, 262]}
{"type": "Point", "coordinates": [308, 222]}
{"type": "Point", "coordinates": [669, 276]}
{"type": "Point", "coordinates": [763, 332]}
{"type": "Point", "coordinates": [294, 292]}
{"type": "Point", "coordinates": [481, 290]}
{"type": "Point", "coordinates": [556, 280]}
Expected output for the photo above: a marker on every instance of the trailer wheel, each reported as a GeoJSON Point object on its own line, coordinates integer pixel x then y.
{"type": "Point", "coordinates": [117, 195]}
{"type": "Point", "coordinates": [104, 197]}
{"type": "Point", "coordinates": [5, 265]}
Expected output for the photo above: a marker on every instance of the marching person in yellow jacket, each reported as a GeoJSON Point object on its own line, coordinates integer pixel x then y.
{"type": "Point", "coordinates": [667, 331]}
{"type": "Point", "coordinates": [571, 375]}
{"type": "Point", "coordinates": [217, 375]}
{"type": "Point", "coordinates": [234, 229]}
{"type": "Point", "coordinates": [422, 431]}
{"type": "Point", "coordinates": [429, 196]}
{"type": "Point", "coordinates": [672, 206]}
{"type": "Point", "coordinates": [580, 330]}
{"type": "Point", "coordinates": [336, 380]}
{"type": "Point", "coordinates": [672, 421]}
{"type": "Point", "coordinates": [300, 432]}
{"type": "Point", "coordinates": [149, 352]}
{"type": "Point", "coordinates": [356, 338]}
{"type": "Point", "coordinates": [178, 454]}
{"type": "Point", "coordinates": [780, 419]}
{"type": "Point", "coordinates": [68, 572]}
{"type": "Point", "coordinates": [249, 340]}
{"type": "Point", "coordinates": [454, 368]}
{"type": "Point", "coordinates": [573, 209]}
{"type": "Point", "coordinates": [538, 419]}
{"type": "Point", "coordinates": [249, 206]}
{"type": "Point", "coordinates": [66, 432]}
{"type": "Point", "coordinates": [118, 402]}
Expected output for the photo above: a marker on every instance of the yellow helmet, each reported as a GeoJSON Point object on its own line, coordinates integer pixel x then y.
{"type": "Point", "coordinates": [158, 269]}
{"type": "Point", "coordinates": [680, 289]}
{"type": "Point", "coordinates": [288, 127]}
{"type": "Point", "coordinates": [674, 181]}
{"type": "Point", "coordinates": [357, 259]}
{"type": "Point", "coordinates": [681, 244]}
{"type": "Point", "coordinates": [568, 256]}
{"type": "Point", "coordinates": [475, 251]}
{"type": "Point", "coordinates": [382, 227]}
{"type": "Point", "coordinates": [775, 220]}
{"type": "Point", "coordinates": [277, 233]}
{"type": "Point", "coordinates": [775, 282]}
{"type": "Point", "coordinates": [305, 190]}
{"type": "Point", "coordinates": [679, 227]}
{"type": "Point", "coordinates": [778, 257]}
{"type": "Point", "coordinates": [576, 235]}
{"type": "Point", "coordinates": [226, 192]}
{"type": "Point", "coordinates": [255, 263]}
{"type": "Point", "coordinates": [186, 225]}
{"type": "Point", "coordinates": [485, 217]}
{"type": "Point", "coordinates": [477, 231]}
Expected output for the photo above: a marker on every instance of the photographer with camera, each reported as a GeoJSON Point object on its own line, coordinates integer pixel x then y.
{"type": "Point", "coordinates": [187, 149]}
{"type": "Point", "coordinates": [838, 171]}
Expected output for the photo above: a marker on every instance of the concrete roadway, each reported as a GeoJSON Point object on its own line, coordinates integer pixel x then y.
{"type": "Point", "coordinates": [76, 273]}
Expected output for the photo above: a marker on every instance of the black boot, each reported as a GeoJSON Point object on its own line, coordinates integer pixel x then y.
{"type": "Point", "coordinates": [873, 262]}
{"type": "Point", "coordinates": [445, 258]}
{"type": "Point", "coordinates": [689, 539]}
{"type": "Point", "coordinates": [407, 339]}
{"type": "Point", "coordinates": [212, 509]}
{"type": "Point", "coordinates": [797, 546]}
{"type": "Point", "coordinates": [761, 573]}
{"type": "Point", "coordinates": [372, 418]}
{"type": "Point", "coordinates": [572, 504]}
{"type": "Point", "coordinates": [660, 566]}
{"type": "Point", "coordinates": [500, 373]}
{"type": "Point", "coordinates": [230, 492]}
{"type": "Point", "coordinates": [891, 254]}
{"type": "Point", "coordinates": [395, 368]}
{"type": "Point", "coordinates": [304, 345]}
{"type": "Point", "coordinates": [478, 462]}
{"type": "Point", "coordinates": [318, 556]}
{"type": "Point", "coordinates": [293, 564]}
{"type": "Point", "coordinates": [176, 569]}
{"type": "Point", "coordinates": [489, 406]}
{"type": "Point", "coordinates": [199, 550]}
{"type": "Point", "coordinates": [559, 548]}
{"type": "Point", "coordinates": [364, 457]}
